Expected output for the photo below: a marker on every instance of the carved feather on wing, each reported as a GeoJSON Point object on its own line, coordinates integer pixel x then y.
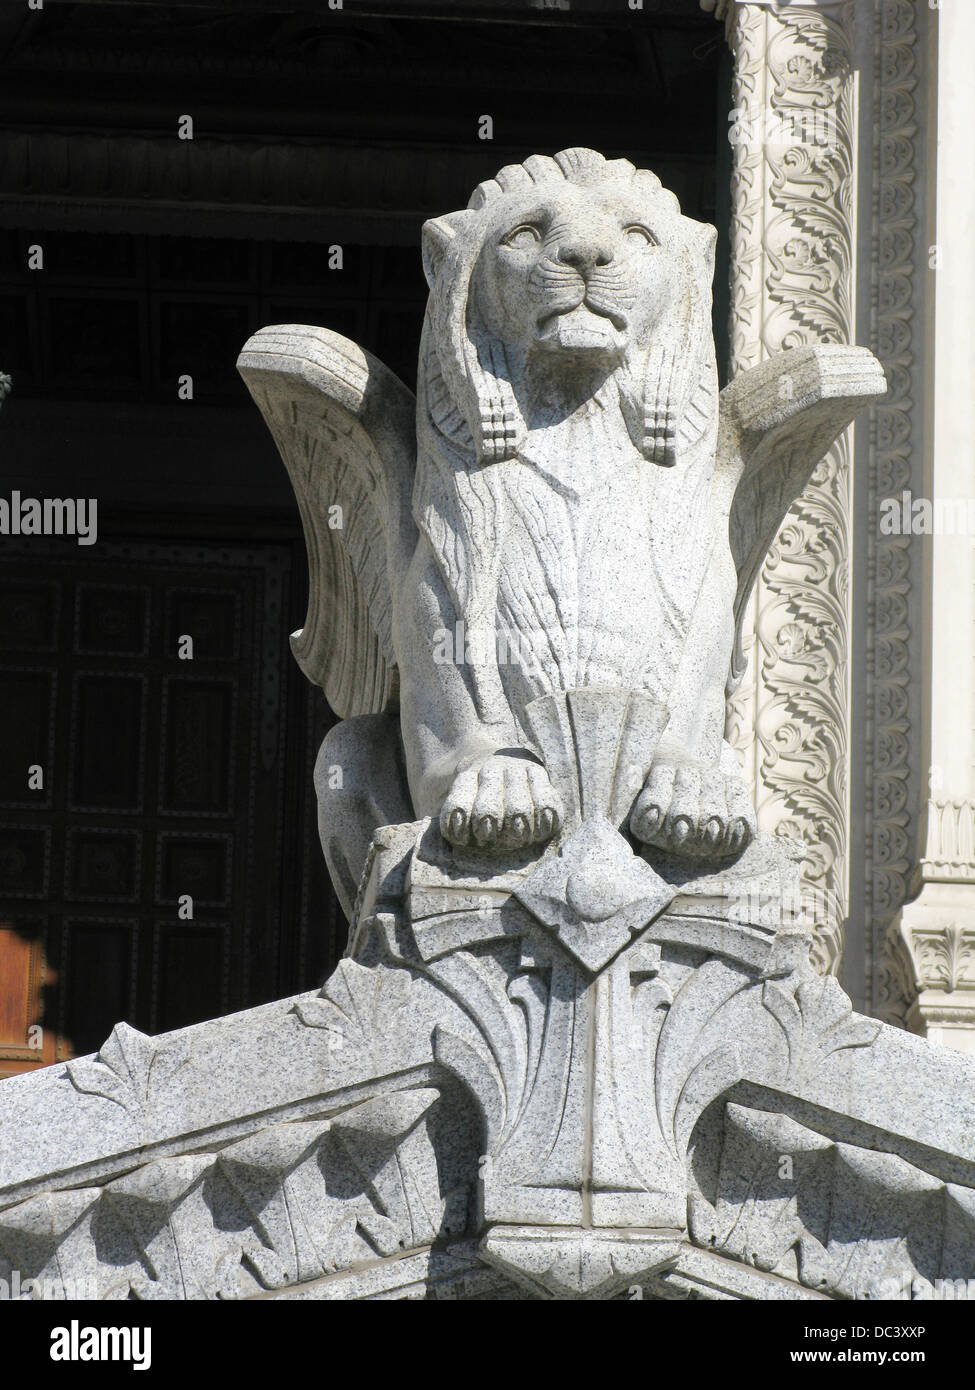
{"type": "Point", "coordinates": [778, 420]}
{"type": "Point", "coordinates": [344, 425]}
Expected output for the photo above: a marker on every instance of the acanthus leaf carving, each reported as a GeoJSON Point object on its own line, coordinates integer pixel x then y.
{"type": "Point", "coordinates": [841, 1219]}
{"type": "Point", "coordinates": [129, 1069]}
{"type": "Point", "coordinates": [369, 1020]}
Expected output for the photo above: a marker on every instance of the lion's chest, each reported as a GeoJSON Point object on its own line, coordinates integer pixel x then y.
{"type": "Point", "coordinates": [582, 598]}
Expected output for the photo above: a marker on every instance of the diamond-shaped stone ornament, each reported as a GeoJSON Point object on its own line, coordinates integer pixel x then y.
{"type": "Point", "coordinates": [595, 894]}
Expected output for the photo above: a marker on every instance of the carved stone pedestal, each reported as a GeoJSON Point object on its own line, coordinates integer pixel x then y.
{"type": "Point", "coordinates": [573, 1072]}
{"type": "Point", "coordinates": [589, 1000]}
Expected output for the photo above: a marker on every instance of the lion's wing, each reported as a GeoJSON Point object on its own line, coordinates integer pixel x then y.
{"type": "Point", "coordinates": [778, 420]}
{"type": "Point", "coordinates": [344, 425]}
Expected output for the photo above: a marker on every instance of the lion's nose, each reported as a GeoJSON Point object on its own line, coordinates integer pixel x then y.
{"type": "Point", "coordinates": [585, 253]}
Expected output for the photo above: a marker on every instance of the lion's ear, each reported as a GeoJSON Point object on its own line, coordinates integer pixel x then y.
{"type": "Point", "coordinates": [437, 235]}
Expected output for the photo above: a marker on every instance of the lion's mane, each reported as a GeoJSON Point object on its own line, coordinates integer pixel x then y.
{"type": "Point", "coordinates": [468, 418]}
{"type": "Point", "coordinates": [467, 379]}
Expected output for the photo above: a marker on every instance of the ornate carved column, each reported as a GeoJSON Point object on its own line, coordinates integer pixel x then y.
{"type": "Point", "coordinates": [893, 757]}
{"type": "Point", "coordinates": [938, 927]}
{"type": "Point", "coordinates": [793, 252]}
{"type": "Point", "coordinates": [854, 629]}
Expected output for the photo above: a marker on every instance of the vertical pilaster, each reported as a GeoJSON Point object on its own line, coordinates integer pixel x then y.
{"type": "Point", "coordinates": [938, 927]}
{"type": "Point", "coordinates": [793, 255]}
{"type": "Point", "coordinates": [889, 763]}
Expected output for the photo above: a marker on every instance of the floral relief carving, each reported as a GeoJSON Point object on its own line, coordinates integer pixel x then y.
{"type": "Point", "coordinates": [794, 207]}
{"type": "Point", "coordinates": [944, 959]}
{"type": "Point", "coordinates": [892, 771]}
{"type": "Point", "coordinates": [129, 1070]}
{"type": "Point", "coordinates": [791, 260]}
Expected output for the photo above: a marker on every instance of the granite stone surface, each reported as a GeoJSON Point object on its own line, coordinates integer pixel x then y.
{"type": "Point", "coordinates": [576, 1049]}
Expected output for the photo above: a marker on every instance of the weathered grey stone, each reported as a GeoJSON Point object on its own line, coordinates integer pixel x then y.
{"type": "Point", "coordinates": [577, 1032]}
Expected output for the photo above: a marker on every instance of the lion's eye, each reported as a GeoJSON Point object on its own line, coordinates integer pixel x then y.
{"type": "Point", "coordinates": [523, 238]}
{"type": "Point", "coordinates": [638, 235]}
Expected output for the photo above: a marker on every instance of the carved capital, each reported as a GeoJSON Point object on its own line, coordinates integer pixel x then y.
{"type": "Point", "coordinates": [944, 958]}
{"type": "Point", "coordinates": [937, 937]}
{"type": "Point", "coordinates": [934, 945]}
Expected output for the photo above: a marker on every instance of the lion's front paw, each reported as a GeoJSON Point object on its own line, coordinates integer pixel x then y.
{"type": "Point", "coordinates": [501, 802]}
{"type": "Point", "coordinates": [697, 812]}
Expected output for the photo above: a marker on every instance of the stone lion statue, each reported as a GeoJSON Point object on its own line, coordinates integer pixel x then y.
{"type": "Point", "coordinates": [576, 508]}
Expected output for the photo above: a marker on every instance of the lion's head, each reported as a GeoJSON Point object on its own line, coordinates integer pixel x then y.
{"type": "Point", "coordinates": [582, 259]}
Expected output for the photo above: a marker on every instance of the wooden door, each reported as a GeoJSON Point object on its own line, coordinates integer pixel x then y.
{"type": "Point", "coordinates": [158, 855]}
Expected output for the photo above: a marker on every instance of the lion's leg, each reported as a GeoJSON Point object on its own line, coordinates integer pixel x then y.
{"type": "Point", "coordinates": [360, 781]}
{"type": "Point", "coordinates": [694, 801]}
{"type": "Point", "coordinates": [466, 759]}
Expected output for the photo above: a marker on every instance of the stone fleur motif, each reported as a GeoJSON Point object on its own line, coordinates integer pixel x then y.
{"type": "Point", "coordinates": [130, 1071]}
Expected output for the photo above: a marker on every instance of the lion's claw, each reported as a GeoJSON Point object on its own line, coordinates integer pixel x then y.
{"type": "Point", "coordinates": [698, 813]}
{"type": "Point", "coordinates": [502, 802]}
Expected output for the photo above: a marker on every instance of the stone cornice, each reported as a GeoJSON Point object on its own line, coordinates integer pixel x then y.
{"type": "Point", "coordinates": [306, 190]}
